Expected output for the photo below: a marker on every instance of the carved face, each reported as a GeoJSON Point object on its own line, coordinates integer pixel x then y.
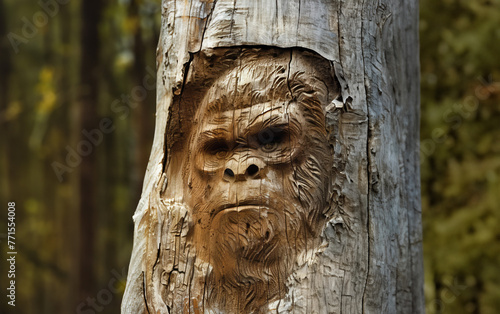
{"type": "Point", "coordinates": [258, 172]}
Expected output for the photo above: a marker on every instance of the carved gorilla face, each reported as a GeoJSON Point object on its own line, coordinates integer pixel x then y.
{"type": "Point", "coordinates": [258, 170]}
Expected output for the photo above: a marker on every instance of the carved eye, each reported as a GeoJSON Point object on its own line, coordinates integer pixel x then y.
{"type": "Point", "coordinates": [221, 154]}
{"type": "Point", "coordinates": [217, 148]}
{"type": "Point", "coordinates": [270, 138]}
{"type": "Point", "coordinates": [269, 147]}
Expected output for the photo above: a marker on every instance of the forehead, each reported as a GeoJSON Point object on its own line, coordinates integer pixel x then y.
{"type": "Point", "coordinates": [252, 85]}
{"type": "Point", "coordinates": [260, 79]}
{"type": "Point", "coordinates": [257, 88]}
{"type": "Point", "coordinates": [242, 118]}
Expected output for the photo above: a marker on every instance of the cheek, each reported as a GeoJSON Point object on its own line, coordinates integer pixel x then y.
{"type": "Point", "coordinates": [283, 182]}
{"type": "Point", "coordinates": [305, 184]}
{"type": "Point", "coordinates": [200, 183]}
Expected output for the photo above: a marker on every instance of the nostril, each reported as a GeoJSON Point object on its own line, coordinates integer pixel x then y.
{"type": "Point", "coordinates": [228, 174]}
{"type": "Point", "coordinates": [252, 170]}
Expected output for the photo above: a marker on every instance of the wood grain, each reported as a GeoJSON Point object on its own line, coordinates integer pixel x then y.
{"type": "Point", "coordinates": [366, 255]}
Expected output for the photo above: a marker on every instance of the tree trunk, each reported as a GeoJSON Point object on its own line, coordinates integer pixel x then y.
{"type": "Point", "coordinates": [284, 173]}
{"type": "Point", "coordinates": [5, 62]}
{"type": "Point", "coordinates": [5, 71]}
{"type": "Point", "coordinates": [88, 120]}
{"type": "Point", "coordinates": [140, 118]}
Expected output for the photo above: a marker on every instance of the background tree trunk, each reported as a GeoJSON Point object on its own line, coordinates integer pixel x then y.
{"type": "Point", "coordinates": [373, 259]}
{"type": "Point", "coordinates": [5, 63]}
{"type": "Point", "coordinates": [88, 120]}
{"type": "Point", "coordinates": [5, 70]}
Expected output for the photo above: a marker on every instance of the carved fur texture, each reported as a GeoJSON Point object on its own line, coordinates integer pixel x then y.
{"type": "Point", "coordinates": [251, 152]}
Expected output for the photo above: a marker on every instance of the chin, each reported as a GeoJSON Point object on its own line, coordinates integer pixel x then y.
{"type": "Point", "coordinates": [252, 246]}
{"type": "Point", "coordinates": [254, 234]}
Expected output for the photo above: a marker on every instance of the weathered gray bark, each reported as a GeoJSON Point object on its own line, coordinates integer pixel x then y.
{"type": "Point", "coordinates": [367, 256]}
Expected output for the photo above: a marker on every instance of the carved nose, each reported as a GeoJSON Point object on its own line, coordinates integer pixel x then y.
{"type": "Point", "coordinates": [228, 175]}
{"type": "Point", "coordinates": [251, 172]}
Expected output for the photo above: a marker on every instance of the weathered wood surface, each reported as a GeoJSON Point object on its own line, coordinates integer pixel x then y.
{"type": "Point", "coordinates": [366, 256]}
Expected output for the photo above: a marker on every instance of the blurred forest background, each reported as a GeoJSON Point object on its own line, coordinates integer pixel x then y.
{"type": "Point", "coordinates": [77, 107]}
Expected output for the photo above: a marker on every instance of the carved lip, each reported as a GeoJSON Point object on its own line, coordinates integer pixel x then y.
{"type": "Point", "coordinates": [241, 206]}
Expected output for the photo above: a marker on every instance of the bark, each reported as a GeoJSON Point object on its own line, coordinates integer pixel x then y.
{"type": "Point", "coordinates": [356, 247]}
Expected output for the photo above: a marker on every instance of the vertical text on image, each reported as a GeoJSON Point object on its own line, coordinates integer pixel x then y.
{"type": "Point", "coordinates": [11, 245]}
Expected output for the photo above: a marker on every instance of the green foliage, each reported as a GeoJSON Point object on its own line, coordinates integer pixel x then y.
{"type": "Point", "coordinates": [460, 144]}
{"type": "Point", "coordinates": [39, 118]}
{"type": "Point", "coordinates": [460, 150]}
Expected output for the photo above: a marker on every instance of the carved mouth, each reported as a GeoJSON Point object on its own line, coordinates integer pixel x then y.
{"type": "Point", "coordinates": [240, 207]}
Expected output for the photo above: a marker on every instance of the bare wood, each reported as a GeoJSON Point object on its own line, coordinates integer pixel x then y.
{"type": "Point", "coordinates": [335, 224]}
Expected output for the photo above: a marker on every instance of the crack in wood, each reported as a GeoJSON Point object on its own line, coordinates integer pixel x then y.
{"type": "Point", "coordinates": [332, 268]}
